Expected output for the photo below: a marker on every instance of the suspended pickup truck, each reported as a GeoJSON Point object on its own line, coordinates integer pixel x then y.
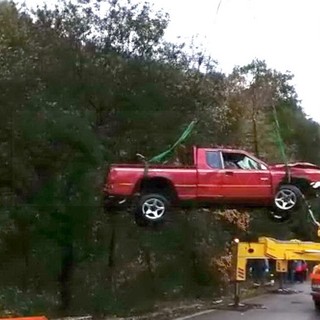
{"type": "Point", "coordinates": [220, 176]}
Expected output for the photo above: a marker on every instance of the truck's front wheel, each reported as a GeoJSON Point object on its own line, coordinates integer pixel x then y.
{"type": "Point", "coordinates": [151, 208]}
{"type": "Point", "coordinates": [286, 201]}
{"type": "Point", "coordinates": [288, 198]}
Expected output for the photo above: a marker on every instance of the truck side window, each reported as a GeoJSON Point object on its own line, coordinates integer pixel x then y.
{"type": "Point", "coordinates": [214, 159]}
{"type": "Point", "coordinates": [239, 161]}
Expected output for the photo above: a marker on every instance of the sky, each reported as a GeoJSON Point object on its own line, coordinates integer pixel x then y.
{"type": "Point", "coordinates": [284, 33]}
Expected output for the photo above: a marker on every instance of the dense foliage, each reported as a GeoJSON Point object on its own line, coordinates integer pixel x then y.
{"type": "Point", "coordinates": [86, 84]}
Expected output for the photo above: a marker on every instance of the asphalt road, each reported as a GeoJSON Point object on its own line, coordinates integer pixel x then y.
{"type": "Point", "coordinates": [297, 306]}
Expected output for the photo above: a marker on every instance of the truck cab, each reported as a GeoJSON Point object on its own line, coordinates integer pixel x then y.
{"type": "Point", "coordinates": [233, 175]}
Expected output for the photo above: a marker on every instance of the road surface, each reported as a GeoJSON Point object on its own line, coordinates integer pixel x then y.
{"type": "Point", "coordinates": [278, 307]}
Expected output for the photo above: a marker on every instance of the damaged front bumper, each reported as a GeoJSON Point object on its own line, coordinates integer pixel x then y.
{"type": "Point", "coordinates": [315, 185]}
{"type": "Point", "coordinates": [316, 188]}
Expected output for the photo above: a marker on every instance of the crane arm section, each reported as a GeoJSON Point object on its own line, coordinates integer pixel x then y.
{"type": "Point", "coordinates": [269, 248]}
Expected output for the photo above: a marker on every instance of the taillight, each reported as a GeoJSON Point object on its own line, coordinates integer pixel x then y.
{"type": "Point", "coordinates": [114, 175]}
{"type": "Point", "coordinates": [110, 179]}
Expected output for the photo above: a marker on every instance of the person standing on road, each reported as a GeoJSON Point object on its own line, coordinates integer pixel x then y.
{"type": "Point", "coordinates": [299, 271]}
{"type": "Point", "coordinates": [304, 270]}
{"type": "Point", "coordinates": [260, 268]}
{"type": "Point", "coordinates": [291, 272]}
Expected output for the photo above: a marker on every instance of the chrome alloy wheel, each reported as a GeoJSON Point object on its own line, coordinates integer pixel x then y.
{"type": "Point", "coordinates": [285, 199]}
{"type": "Point", "coordinates": [153, 208]}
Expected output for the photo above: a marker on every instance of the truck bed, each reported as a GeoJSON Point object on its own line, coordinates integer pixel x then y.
{"type": "Point", "coordinates": [124, 178]}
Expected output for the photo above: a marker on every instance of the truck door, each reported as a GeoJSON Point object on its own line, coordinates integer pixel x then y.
{"type": "Point", "coordinates": [245, 179]}
{"type": "Point", "coordinates": [209, 174]}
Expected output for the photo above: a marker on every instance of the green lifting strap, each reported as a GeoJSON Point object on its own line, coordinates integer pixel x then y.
{"type": "Point", "coordinates": [279, 139]}
{"type": "Point", "coordinates": [162, 156]}
{"type": "Point", "coordinates": [280, 142]}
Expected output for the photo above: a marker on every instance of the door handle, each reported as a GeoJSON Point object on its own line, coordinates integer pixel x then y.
{"type": "Point", "coordinates": [229, 173]}
{"type": "Point", "coordinates": [264, 179]}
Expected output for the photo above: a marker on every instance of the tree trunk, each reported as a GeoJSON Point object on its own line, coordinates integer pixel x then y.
{"type": "Point", "coordinates": [112, 243]}
{"type": "Point", "coordinates": [255, 135]}
{"type": "Point", "coordinates": [65, 279]}
{"type": "Point", "coordinates": [26, 255]}
{"type": "Point", "coordinates": [148, 261]}
{"type": "Point", "coordinates": [254, 124]}
{"type": "Point", "coordinates": [111, 256]}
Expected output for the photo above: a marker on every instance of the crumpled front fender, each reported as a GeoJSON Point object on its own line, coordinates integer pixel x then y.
{"type": "Point", "coordinates": [315, 185]}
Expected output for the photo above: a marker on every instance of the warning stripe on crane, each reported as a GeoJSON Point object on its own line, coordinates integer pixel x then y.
{"type": "Point", "coordinates": [241, 273]}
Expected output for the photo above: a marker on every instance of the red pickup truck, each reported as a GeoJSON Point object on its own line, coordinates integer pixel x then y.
{"type": "Point", "coordinates": [217, 176]}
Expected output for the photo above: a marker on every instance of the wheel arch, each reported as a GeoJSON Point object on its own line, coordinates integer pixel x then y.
{"type": "Point", "coordinates": [301, 182]}
{"type": "Point", "coordinates": [161, 185]}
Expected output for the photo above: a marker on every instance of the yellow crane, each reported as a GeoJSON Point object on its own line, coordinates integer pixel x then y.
{"type": "Point", "coordinates": [269, 248]}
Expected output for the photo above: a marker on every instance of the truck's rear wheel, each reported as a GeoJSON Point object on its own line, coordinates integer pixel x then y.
{"type": "Point", "coordinates": [151, 209]}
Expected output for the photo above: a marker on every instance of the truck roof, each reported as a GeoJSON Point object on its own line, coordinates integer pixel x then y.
{"type": "Point", "coordinates": [226, 149]}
